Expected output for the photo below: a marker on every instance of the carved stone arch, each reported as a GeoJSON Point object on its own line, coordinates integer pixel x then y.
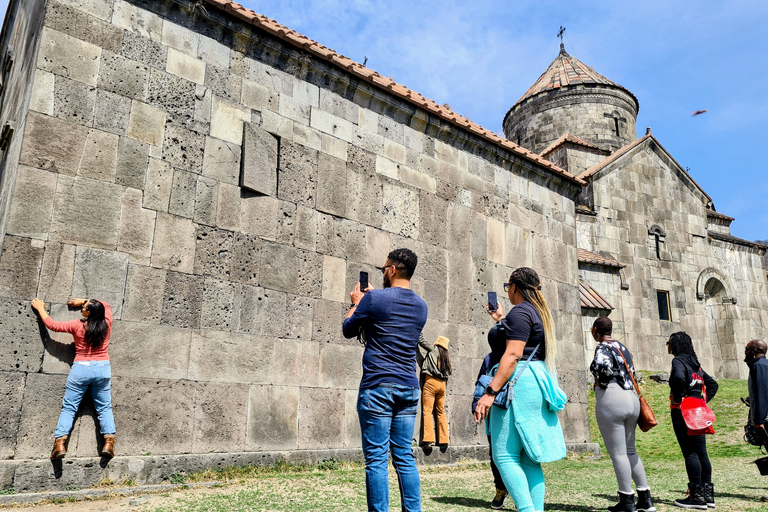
{"type": "Point", "coordinates": [656, 230]}
{"type": "Point", "coordinates": [704, 278]}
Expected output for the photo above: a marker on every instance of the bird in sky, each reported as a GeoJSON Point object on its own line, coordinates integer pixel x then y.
{"type": "Point", "coordinates": [698, 112]}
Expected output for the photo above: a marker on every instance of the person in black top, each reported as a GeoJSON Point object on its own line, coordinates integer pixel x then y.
{"type": "Point", "coordinates": [757, 384]}
{"type": "Point", "coordinates": [687, 378]}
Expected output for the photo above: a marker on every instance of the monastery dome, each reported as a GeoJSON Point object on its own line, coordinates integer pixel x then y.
{"type": "Point", "coordinates": [570, 97]}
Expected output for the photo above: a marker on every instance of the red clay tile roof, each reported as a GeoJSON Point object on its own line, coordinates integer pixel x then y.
{"type": "Point", "coordinates": [736, 240]}
{"type": "Point", "coordinates": [586, 256]}
{"type": "Point", "coordinates": [567, 70]}
{"type": "Point", "coordinates": [303, 42]}
{"type": "Point", "coordinates": [567, 137]}
{"type": "Point", "coordinates": [718, 215]}
{"type": "Point", "coordinates": [629, 147]}
{"type": "Point", "coordinates": [590, 298]}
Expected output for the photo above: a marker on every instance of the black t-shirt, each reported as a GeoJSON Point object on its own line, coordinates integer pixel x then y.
{"type": "Point", "coordinates": [523, 322]}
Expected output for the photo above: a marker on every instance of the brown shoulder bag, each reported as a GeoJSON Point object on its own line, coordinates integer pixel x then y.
{"type": "Point", "coordinates": [647, 420]}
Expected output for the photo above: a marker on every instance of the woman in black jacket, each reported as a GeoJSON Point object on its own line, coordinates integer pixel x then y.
{"type": "Point", "coordinates": [687, 378]}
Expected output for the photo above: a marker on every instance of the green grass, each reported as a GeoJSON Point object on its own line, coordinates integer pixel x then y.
{"type": "Point", "coordinates": [573, 484]}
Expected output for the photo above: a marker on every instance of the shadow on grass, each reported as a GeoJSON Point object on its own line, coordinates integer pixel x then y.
{"type": "Point", "coordinates": [572, 508]}
{"type": "Point", "coordinates": [476, 503]}
{"type": "Point", "coordinates": [464, 502]}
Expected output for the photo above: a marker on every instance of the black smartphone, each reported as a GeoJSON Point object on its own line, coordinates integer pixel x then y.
{"type": "Point", "coordinates": [363, 281]}
{"type": "Point", "coordinates": [492, 301]}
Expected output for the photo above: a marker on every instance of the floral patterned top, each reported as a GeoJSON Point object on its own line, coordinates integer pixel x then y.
{"type": "Point", "coordinates": [608, 365]}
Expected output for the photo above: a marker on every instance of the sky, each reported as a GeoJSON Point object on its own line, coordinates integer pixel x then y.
{"type": "Point", "coordinates": [675, 57]}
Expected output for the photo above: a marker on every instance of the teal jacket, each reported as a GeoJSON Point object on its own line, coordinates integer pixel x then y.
{"type": "Point", "coordinates": [537, 399]}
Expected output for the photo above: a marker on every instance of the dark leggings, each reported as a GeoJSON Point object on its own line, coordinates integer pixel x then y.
{"type": "Point", "coordinates": [496, 475]}
{"type": "Point", "coordinates": [694, 451]}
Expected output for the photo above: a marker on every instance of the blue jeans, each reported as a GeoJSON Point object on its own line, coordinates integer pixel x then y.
{"type": "Point", "coordinates": [387, 416]}
{"type": "Point", "coordinates": [96, 375]}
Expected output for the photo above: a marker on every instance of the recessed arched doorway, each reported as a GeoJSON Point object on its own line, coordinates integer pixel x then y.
{"type": "Point", "coordinates": [720, 314]}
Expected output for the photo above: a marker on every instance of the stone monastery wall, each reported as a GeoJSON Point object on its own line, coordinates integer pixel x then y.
{"type": "Point", "coordinates": [222, 190]}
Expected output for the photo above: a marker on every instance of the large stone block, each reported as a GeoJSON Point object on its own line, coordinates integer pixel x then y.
{"type": "Point", "coordinates": [213, 252]}
{"type": "Point", "coordinates": [40, 410]}
{"type": "Point", "coordinates": [185, 66]}
{"type": "Point", "coordinates": [364, 196]}
{"type": "Point", "coordinates": [158, 185]}
{"type": "Point", "coordinates": [139, 48]}
{"type": "Point", "coordinates": [278, 267]}
{"type": "Point", "coordinates": [273, 418]}
{"type": "Point", "coordinates": [123, 76]}
{"type": "Point", "coordinates": [400, 211]}
{"type": "Point", "coordinates": [174, 245]}
{"type": "Point", "coordinates": [352, 435]}
{"type": "Point", "coordinates": [144, 294]}
{"type": "Point", "coordinates": [11, 395]}
{"type": "Point", "coordinates": [183, 194]}
{"type": "Point", "coordinates": [183, 300]}
{"type": "Point", "coordinates": [73, 101]}
{"type": "Point", "coordinates": [136, 19]}
{"type": "Point", "coordinates": [246, 254]}
{"type": "Point", "coordinates": [321, 418]}
{"type": "Point", "coordinates": [141, 350]}
{"type": "Point", "coordinates": [68, 56]}
{"type": "Point", "coordinates": [180, 38]}
{"type": "Point", "coordinates": [99, 159]}
{"type": "Point", "coordinates": [220, 310]}
{"type": "Point", "coordinates": [206, 201]}
{"type": "Point", "coordinates": [222, 83]}
{"type": "Point", "coordinates": [146, 123]}
{"type": "Point", "coordinates": [132, 161]}
{"type": "Point", "coordinates": [433, 219]}
{"type": "Point", "coordinates": [259, 163]}
{"type": "Point", "coordinates": [184, 149]}
{"type": "Point", "coordinates": [32, 203]}
{"type": "Point", "coordinates": [101, 9]}
{"type": "Point", "coordinates": [173, 94]}
{"type": "Point", "coordinates": [56, 273]}
{"type": "Point", "coordinates": [310, 279]}
{"type": "Point", "coordinates": [155, 416]}
{"type": "Point", "coordinates": [41, 99]}
{"type": "Point", "coordinates": [137, 225]}
{"type": "Point", "coordinates": [273, 322]}
{"type": "Point", "coordinates": [296, 363]}
{"type": "Point", "coordinates": [297, 173]}
{"type": "Point", "coordinates": [331, 185]}
{"type": "Point", "coordinates": [326, 324]}
{"type": "Point", "coordinates": [334, 279]}
{"type": "Point", "coordinates": [221, 417]}
{"type": "Point", "coordinates": [101, 275]}
{"type": "Point", "coordinates": [111, 112]}
{"type": "Point", "coordinates": [52, 144]}
{"type": "Point", "coordinates": [222, 160]}
{"type": "Point", "coordinates": [77, 23]}
{"type": "Point", "coordinates": [258, 215]}
{"type": "Point", "coordinates": [20, 263]}
{"type": "Point", "coordinates": [220, 356]}
{"type": "Point", "coordinates": [340, 365]}
{"type": "Point", "coordinates": [227, 120]}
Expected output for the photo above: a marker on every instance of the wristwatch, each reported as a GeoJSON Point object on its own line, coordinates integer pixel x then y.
{"type": "Point", "coordinates": [489, 391]}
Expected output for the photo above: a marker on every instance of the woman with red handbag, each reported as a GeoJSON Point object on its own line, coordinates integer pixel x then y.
{"type": "Point", "coordinates": [688, 380]}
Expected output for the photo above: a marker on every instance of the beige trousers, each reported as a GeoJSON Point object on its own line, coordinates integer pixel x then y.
{"type": "Point", "coordinates": [433, 398]}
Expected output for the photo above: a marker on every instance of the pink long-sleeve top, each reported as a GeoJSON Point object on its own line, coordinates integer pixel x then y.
{"type": "Point", "coordinates": [83, 351]}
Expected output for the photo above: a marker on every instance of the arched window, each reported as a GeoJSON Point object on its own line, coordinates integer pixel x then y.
{"type": "Point", "coordinates": [659, 236]}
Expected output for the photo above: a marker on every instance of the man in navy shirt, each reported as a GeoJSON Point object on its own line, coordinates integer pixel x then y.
{"type": "Point", "coordinates": [391, 320]}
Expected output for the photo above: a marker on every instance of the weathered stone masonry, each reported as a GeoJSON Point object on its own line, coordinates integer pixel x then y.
{"type": "Point", "coordinates": [222, 189]}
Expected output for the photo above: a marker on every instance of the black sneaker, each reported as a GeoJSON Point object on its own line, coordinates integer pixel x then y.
{"type": "Point", "coordinates": [498, 500]}
{"type": "Point", "coordinates": [695, 498]}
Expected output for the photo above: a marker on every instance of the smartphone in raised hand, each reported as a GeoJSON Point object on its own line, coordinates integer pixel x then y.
{"type": "Point", "coordinates": [492, 301]}
{"type": "Point", "coordinates": [363, 281]}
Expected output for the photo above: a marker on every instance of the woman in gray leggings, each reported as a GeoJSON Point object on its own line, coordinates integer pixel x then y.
{"type": "Point", "coordinates": [617, 408]}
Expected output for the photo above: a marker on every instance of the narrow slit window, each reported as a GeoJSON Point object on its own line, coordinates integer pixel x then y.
{"type": "Point", "coordinates": [663, 299]}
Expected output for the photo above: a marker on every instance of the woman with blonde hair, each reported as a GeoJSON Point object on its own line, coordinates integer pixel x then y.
{"type": "Point", "coordinates": [528, 433]}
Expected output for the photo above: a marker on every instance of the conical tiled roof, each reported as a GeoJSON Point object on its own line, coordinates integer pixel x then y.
{"type": "Point", "coordinates": [567, 70]}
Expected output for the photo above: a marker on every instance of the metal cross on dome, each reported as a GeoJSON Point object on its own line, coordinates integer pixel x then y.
{"type": "Point", "coordinates": [561, 33]}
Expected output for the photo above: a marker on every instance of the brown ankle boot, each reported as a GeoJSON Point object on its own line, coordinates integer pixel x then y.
{"type": "Point", "coordinates": [108, 450]}
{"type": "Point", "coordinates": [59, 450]}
